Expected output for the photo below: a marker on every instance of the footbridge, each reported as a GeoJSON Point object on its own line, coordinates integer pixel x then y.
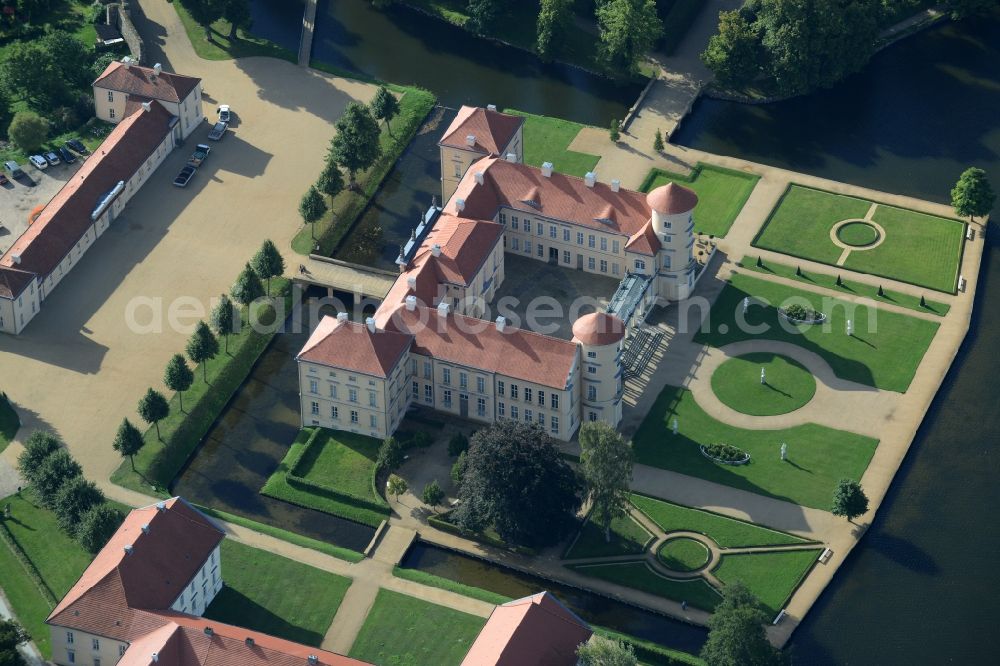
{"type": "Point", "coordinates": [343, 276]}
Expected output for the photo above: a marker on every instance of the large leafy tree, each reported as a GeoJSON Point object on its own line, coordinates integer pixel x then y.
{"type": "Point", "coordinates": [385, 107]}
{"type": "Point", "coordinates": [629, 28]}
{"type": "Point", "coordinates": [206, 12]}
{"type": "Point", "coordinates": [516, 481]}
{"type": "Point", "coordinates": [40, 445]}
{"type": "Point", "coordinates": [600, 651]}
{"type": "Point", "coordinates": [237, 12]}
{"type": "Point", "coordinates": [312, 208]}
{"type": "Point", "coordinates": [247, 287]}
{"type": "Point", "coordinates": [28, 130]}
{"type": "Point", "coordinates": [53, 473]}
{"type": "Point", "coordinates": [356, 144]}
{"type": "Point", "coordinates": [964, 8]}
{"type": "Point", "coordinates": [331, 180]}
{"type": "Point", "coordinates": [972, 195]}
{"type": "Point", "coordinates": [482, 15]}
{"type": "Point", "coordinates": [226, 319]}
{"type": "Point", "coordinates": [849, 500]}
{"type": "Point", "coordinates": [71, 57]}
{"type": "Point", "coordinates": [153, 408]}
{"type": "Point", "coordinates": [97, 525]}
{"type": "Point", "coordinates": [554, 18]}
{"type": "Point", "coordinates": [76, 497]}
{"type": "Point", "coordinates": [11, 635]}
{"type": "Point", "coordinates": [735, 54]}
{"type": "Point", "coordinates": [178, 377]}
{"type": "Point", "coordinates": [128, 441]}
{"type": "Point", "coordinates": [268, 263]}
{"type": "Point", "coordinates": [201, 347]}
{"type": "Point", "coordinates": [30, 73]}
{"type": "Point", "coordinates": [736, 636]}
{"type": "Point", "coordinates": [606, 463]}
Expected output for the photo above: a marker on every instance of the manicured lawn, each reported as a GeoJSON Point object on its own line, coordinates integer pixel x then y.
{"type": "Point", "coordinates": [627, 537]}
{"type": "Point", "coordinates": [884, 351]}
{"type": "Point", "coordinates": [818, 457]}
{"type": "Point", "coordinates": [850, 287]}
{"type": "Point", "coordinates": [725, 531]}
{"type": "Point", "coordinates": [771, 576]}
{"type": "Point", "coordinates": [9, 422]}
{"type": "Point", "coordinates": [275, 595]}
{"type": "Point", "coordinates": [547, 139]}
{"type": "Point", "coordinates": [405, 631]}
{"type": "Point", "coordinates": [722, 193]}
{"type": "Point", "coordinates": [857, 234]}
{"type": "Point", "coordinates": [221, 47]}
{"type": "Point", "coordinates": [683, 554]}
{"type": "Point", "coordinates": [343, 460]}
{"type": "Point", "coordinates": [430, 579]}
{"type": "Point", "coordinates": [639, 576]}
{"type": "Point", "coordinates": [788, 384]}
{"type": "Point", "coordinates": [921, 249]}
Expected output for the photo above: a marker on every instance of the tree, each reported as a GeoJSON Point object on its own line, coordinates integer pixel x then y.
{"type": "Point", "coordinates": [385, 106]}
{"type": "Point", "coordinates": [128, 441]}
{"type": "Point", "coordinates": [206, 12]}
{"type": "Point", "coordinates": [458, 469]}
{"type": "Point", "coordinates": [734, 54]}
{"type": "Point", "coordinates": [312, 208]}
{"type": "Point", "coordinates": [457, 444]}
{"type": "Point", "coordinates": [390, 455]}
{"type": "Point", "coordinates": [268, 263]}
{"type": "Point", "coordinates": [432, 495]}
{"type": "Point", "coordinates": [28, 130]}
{"type": "Point", "coordinates": [961, 9]}
{"type": "Point", "coordinates": [331, 181]}
{"type": "Point", "coordinates": [70, 57]}
{"type": "Point", "coordinates": [613, 132]}
{"type": "Point", "coordinates": [153, 408]}
{"type": "Point", "coordinates": [658, 141]}
{"type": "Point", "coordinates": [396, 486]}
{"type": "Point", "coordinates": [53, 473]}
{"type": "Point", "coordinates": [97, 525]}
{"type": "Point", "coordinates": [554, 17]}
{"type": "Point", "coordinates": [247, 287]}
{"type": "Point", "coordinates": [849, 500]}
{"type": "Point", "coordinates": [972, 195]}
{"type": "Point", "coordinates": [606, 464]}
{"type": "Point", "coordinates": [11, 635]}
{"type": "Point", "coordinates": [76, 497]}
{"type": "Point", "coordinates": [482, 15]}
{"type": "Point", "coordinates": [201, 347]}
{"type": "Point", "coordinates": [40, 445]}
{"type": "Point", "coordinates": [178, 377]}
{"type": "Point", "coordinates": [736, 635]}
{"type": "Point", "coordinates": [600, 651]}
{"type": "Point", "coordinates": [237, 13]}
{"type": "Point", "coordinates": [225, 319]}
{"type": "Point", "coordinates": [516, 481]}
{"type": "Point", "coordinates": [629, 28]}
{"type": "Point", "coordinates": [356, 144]}
{"type": "Point", "coordinates": [31, 74]}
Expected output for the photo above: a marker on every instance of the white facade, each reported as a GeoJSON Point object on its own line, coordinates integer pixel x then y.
{"type": "Point", "coordinates": [202, 588]}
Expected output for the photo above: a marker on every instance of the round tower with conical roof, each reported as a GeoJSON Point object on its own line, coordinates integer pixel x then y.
{"type": "Point", "coordinates": [672, 211]}
{"type": "Point", "coordinates": [600, 337]}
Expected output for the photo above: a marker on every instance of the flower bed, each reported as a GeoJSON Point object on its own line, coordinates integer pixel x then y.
{"type": "Point", "coordinates": [727, 454]}
{"type": "Point", "coordinates": [800, 314]}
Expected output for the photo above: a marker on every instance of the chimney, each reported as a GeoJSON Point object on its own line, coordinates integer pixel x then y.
{"type": "Point", "coordinates": [161, 507]}
{"type": "Point", "coordinates": [209, 632]}
{"type": "Point", "coordinates": [511, 157]}
{"type": "Point", "coordinates": [616, 185]}
{"type": "Point", "coordinates": [443, 309]}
{"type": "Point", "coordinates": [145, 528]}
{"type": "Point", "coordinates": [590, 179]}
{"type": "Point", "coordinates": [155, 657]}
{"type": "Point", "coordinates": [128, 550]}
{"type": "Point", "coordinates": [411, 303]}
{"type": "Point", "coordinates": [127, 61]}
{"type": "Point", "coordinates": [459, 205]}
{"type": "Point", "coordinates": [491, 107]}
{"type": "Point", "coordinates": [479, 178]}
{"type": "Point", "coordinates": [501, 323]}
{"type": "Point", "coordinates": [342, 316]}
{"type": "Point", "coordinates": [411, 282]}
{"type": "Point", "coordinates": [436, 249]}
{"type": "Point", "coordinates": [16, 258]}
{"type": "Point", "coordinates": [147, 106]}
{"type": "Point", "coordinates": [157, 69]}
{"type": "Point", "coordinates": [248, 641]}
{"type": "Point", "coordinates": [547, 169]}
{"type": "Point", "coordinates": [470, 139]}
{"type": "Point", "coordinates": [370, 323]}
{"type": "Point", "coordinates": [313, 660]}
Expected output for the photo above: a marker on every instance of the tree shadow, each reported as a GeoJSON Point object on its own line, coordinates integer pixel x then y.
{"type": "Point", "coordinates": [233, 607]}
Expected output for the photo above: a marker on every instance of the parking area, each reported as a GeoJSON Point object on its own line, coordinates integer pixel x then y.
{"type": "Point", "coordinates": [19, 197]}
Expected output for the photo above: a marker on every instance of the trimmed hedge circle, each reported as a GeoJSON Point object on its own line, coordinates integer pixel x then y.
{"type": "Point", "coordinates": [800, 314]}
{"type": "Point", "coordinates": [727, 454]}
{"type": "Point", "coordinates": [858, 234]}
{"type": "Point", "coordinates": [683, 554]}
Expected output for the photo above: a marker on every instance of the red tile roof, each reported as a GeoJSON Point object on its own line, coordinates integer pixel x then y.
{"type": "Point", "coordinates": [493, 130]}
{"type": "Point", "coordinates": [141, 81]}
{"type": "Point", "coordinates": [559, 197]}
{"type": "Point", "coordinates": [598, 328]}
{"type": "Point", "coordinates": [349, 345]}
{"type": "Point", "coordinates": [13, 282]}
{"type": "Point", "coordinates": [66, 217]}
{"type": "Point", "coordinates": [671, 199]}
{"type": "Point", "coordinates": [534, 631]}
{"type": "Point", "coordinates": [644, 241]}
{"type": "Point", "coordinates": [477, 343]}
{"type": "Point", "coordinates": [465, 246]}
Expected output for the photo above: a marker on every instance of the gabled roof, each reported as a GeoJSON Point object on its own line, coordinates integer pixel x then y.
{"type": "Point", "coordinates": [493, 130]}
{"type": "Point", "coordinates": [66, 217]}
{"type": "Point", "coordinates": [533, 631]}
{"type": "Point", "coordinates": [559, 197]}
{"type": "Point", "coordinates": [644, 241]}
{"type": "Point", "coordinates": [465, 245]}
{"type": "Point", "coordinates": [13, 282]}
{"type": "Point", "coordinates": [349, 345]}
{"type": "Point", "coordinates": [477, 343]}
{"type": "Point", "coordinates": [144, 82]}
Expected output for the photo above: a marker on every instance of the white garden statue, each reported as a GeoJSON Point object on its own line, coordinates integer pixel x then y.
{"type": "Point", "coordinates": [784, 451]}
{"type": "Point", "coordinates": [763, 376]}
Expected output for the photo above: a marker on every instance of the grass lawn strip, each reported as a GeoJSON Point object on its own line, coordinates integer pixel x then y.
{"type": "Point", "coordinates": [722, 193]}
{"type": "Point", "coordinates": [772, 576]}
{"type": "Point", "coordinates": [639, 576]}
{"type": "Point", "coordinates": [9, 422]}
{"type": "Point", "coordinates": [547, 139]}
{"type": "Point", "coordinates": [788, 385]}
{"type": "Point", "coordinates": [683, 554]}
{"type": "Point", "coordinates": [848, 287]}
{"type": "Point", "coordinates": [649, 653]}
{"type": "Point", "coordinates": [726, 532]}
{"type": "Point", "coordinates": [430, 579]}
{"type": "Point", "coordinates": [401, 629]}
{"type": "Point", "coordinates": [627, 537]}
{"type": "Point", "coordinates": [276, 595]}
{"type": "Point", "coordinates": [221, 47]}
{"type": "Point", "coordinates": [343, 460]}
{"type": "Point", "coordinates": [886, 358]}
{"type": "Point", "coordinates": [818, 457]}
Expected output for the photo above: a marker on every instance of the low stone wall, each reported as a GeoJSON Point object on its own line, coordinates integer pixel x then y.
{"type": "Point", "coordinates": [118, 16]}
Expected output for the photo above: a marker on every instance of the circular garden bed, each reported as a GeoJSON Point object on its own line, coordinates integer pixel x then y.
{"type": "Point", "coordinates": [683, 554]}
{"type": "Point", "coordinates": [727, 454]}
{"type": "Point", "coordinates": [858, 234]}
{"type": "Point", "coordinates": [800, 314]}
{"type": "Point", "coordinates": [789, 385]}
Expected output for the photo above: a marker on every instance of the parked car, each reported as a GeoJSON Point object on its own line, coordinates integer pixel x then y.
{"type": "Point", "coordinates": [224, 113]}
{"type": "Point", "coordinates": [77, 145]}
{"type": "Point", "coordinates": [3, 178]}
{"type": "Point", "coordinates": [218, 131]}
{"type": "Point", "coordinates": [199, 155]}
{"type": "Point", "coordinates": [13, 168]}
{"type": "Point", "coordinates": [184, 176]}
{"type": "Point", "coordinates": [52, 158]}
{"type": "Point", "coordinates": [38, 162]}
{"type": "Point", "coordinates": [67, 155]}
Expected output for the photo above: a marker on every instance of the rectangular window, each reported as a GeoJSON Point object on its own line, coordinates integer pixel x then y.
{"type": "Point", "coordinates": [354, 416]}
{"type": "Point", "coordinates": [428, 393]}
{"type": "Point", "coordinates": [579, 238]}
{"type": "Point", "coordinates": [481, 406]}
{"type": "Point", "coordinates": [554, 400]}
{"type": "Point", "coordinates": [95, 643]}
{"type": "Point", "coordinates": [529, 416]}
{"type": "Point", "coordinates": [513, 412]}
{"type": "Point", "coordinates": [111, 96]}
{"type": "Point", "coordinates": [111, 114]}
{"type": "Point", "coordinates": [566, 235]}
{"type": "Point", "coordinates": [501, 409]}
{"type": "Point", "coordinates": [70, 655]}
{"type": "Point", "coordinates": [503, 218]}
{"type": "Point", "coordinates": [481, 384]}
{"type": "Point", "coordinates": [567, 257]}
{"type": "Point", "coordinates": [541, 398]}
{"type": "Point", "coordinates": [314, 409]}
{"type": "Point", "coordinates": [591, 393]}
{"type": "Point", "coordinates": [604, 266]}
{"type": "Point", "coordinates": [121, 650]}
{"type": "Point", "coordinates": [552, 232]}
{"type": "Point", "coordinates": [427, 369]}
{"type": "Point", "coordinates": [515, 243]}
{"type": "Point", "coordinates": [541, 419]}
{"type": "Point", "coordinates": [458, 169]}
{"type": "Point", "coordinates": [615, 246]}
{"type": "Point", "coordinates": [335, 413]}
{"type": "Point", "coordinates": [591, 354]}
{"type": "Point", "coordinates": [527, 226]}
{"type": "Point", "coordinates": [528, 394]}
{"type": "Point", "coordinates": [69, 637]}
{"type": "Point", "coordinates": [413, 366]}
{"type": "Point", "coordinates": [415, 389]}
{"type": "Point", "coordinates": [590, 263]}
{"type": "Point", "coordinates": [313, 386]}
{"type": "Point", "coordinates": [592, 416]}
{"type": "Point", "coordinates": [513, 223]}
{"type": "Point", "coordinates": [513, 391]}
{"type": "Point", "coordinates": [614, 269]}
{"type": "Point", "coordinates": [500, 388]}
{"type": "Point", "coordinates": [463, 380]}
{"type": "Point", "coordinates": [527, 247]}
{"type": "Point", "coordinates": [591, 240]}
{"type": "Point", "coordinates": [371, 399]}
{"type": "Point", "coordinates": [591, 369]}
{"type": "Point", "coordinates": [446, 398]}
{"type": "Point", "coordinates": [640, 265]}
{"type": "Point", "coordinates": [446, 375]}
{"type": "Point", "coordinates": [333, 391]}
{"type": "Point", "coordinates": [541, 250]}
{"type": "Point", "coordinates": [372, 421]}
{"type": "Point", "coordinates": [554, 425]}
{"type": "Point", "coordinates": [539, 229]}
{"type": "Point", "coordinates": [604, 244]}
{"type": "Point", "coordinates": [352, 395]}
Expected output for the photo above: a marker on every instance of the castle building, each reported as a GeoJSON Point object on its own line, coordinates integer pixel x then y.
{"type": "Point", "coordinates": [123, 82]}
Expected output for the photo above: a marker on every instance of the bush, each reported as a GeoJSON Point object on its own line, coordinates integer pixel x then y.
{"type": "Point", "coordinates": [458, 444]}
{"type": "Point", "coordinates": [390, 455]}
{"type": "Point", "coordinates": [76, 497]}
{"type": "Point", "coordinates": [421, 440]}
{"type": "Point", "coordinates": [801, 313]}
{"type": "Point", "coordinates": [725, 453]}
{"type": "Point", "coordinates": [40, 445]}
{"type": "Point", "coordinates": [458, 470]}
{"type": "Point", "coordinates": [28, 130]}
{"type": "Point", "coordinates": [97, 526]}
{"type": "Point", "coordinates": [53, 473]}
{"type": "Point", "coordinates": [64, 118]}
{"type": "Point", "coordinates": [432, 495]}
